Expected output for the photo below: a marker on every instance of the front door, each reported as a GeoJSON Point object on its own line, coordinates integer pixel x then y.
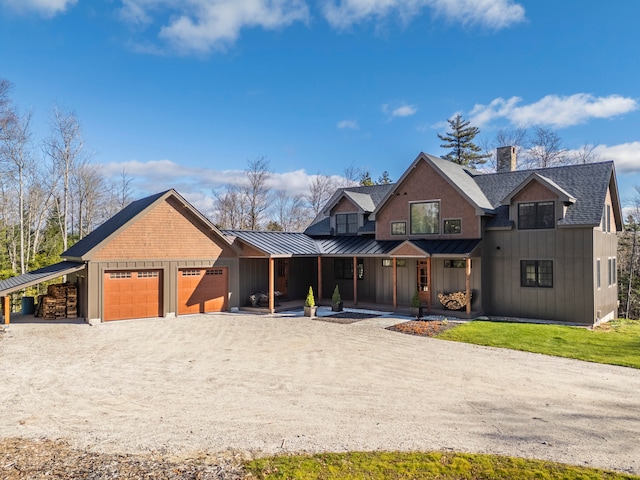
{"type": "Point", "coordinates": [423, 281]}
{"type": "Point", "coordinates": [282, 276]}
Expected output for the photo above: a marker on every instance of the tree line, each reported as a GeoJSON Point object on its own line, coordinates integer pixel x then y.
{"type": "Point", "coordinates": [51, 194]}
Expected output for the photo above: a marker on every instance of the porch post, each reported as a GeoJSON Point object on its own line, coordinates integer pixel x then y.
{"type": "Point", "coordinates": [272, 303]}
{"type": "Point", "coordinates": [319, 278]}
{"type": "Point", "coordinates": [6, 308]}
{"type": "Point", "coordinates": [429, 283]}
{"type": "Point", "coordinates": [355, 280]}
{"type": "Point", "coordinates": [468, 283]}
{"type": "Point", "coordinates": [395, 283]}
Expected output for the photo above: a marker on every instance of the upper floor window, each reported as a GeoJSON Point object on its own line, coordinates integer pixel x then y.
{"type": "Point", "coordinates": [398, 228]}
{"type": "Point", "coordinates": [346, 223]}
{"type": "Point", "coordinates": [452, 226]}
{"type": "Point", "coordinates": [425, 218]}
{"type": "Point", "coordinates": [606, 219]}
{"type": "Point", "coordinates": [533, 215]}
{"type": "Point", "coordinates": [612, 271]}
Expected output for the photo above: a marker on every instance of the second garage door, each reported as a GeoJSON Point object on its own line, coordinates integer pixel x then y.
{"type": "Point", "coordinates": [202, 290]}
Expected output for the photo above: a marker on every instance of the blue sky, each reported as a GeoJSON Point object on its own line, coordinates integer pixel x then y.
{"type": "Point", "coordinates": [183, 93]}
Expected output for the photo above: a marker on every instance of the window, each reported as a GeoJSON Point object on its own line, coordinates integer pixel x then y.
{"type": "Point", "coordinates": [398, 228]}
{"type": "Point", "coordinates": [608, 219]}
{"type": "Point", "coordinates": [536, 273]}
{"type": "Point", "coordinates": [401, 262]}
{"type": "Point", "coordinates": [343, 268]}
{"type": "Point", "coordinates": [214, 271]}
{"type": "Point", "coordinates": [453, 226]}
{"type": "Point", "coordinates": [534, 215]}
{"type": "Point", "coordinates": [148, 274]}
{"type": "Point", "coordinates": [454, 264]}
{"type": "Point", "coordinates": [346, 223]}
{"type": "Point", "coordinates": [425, 218]}
{"type": "Point", "coordinates": [598, 273]}
{"type": "Point", "coordinates": [119, 275]}
{"type": "Point", "coordinates": [360, 268]}
{"type": "Point", "coordinates": [612, 271]}
{"type": "Point", "coordinates": [190, 273]}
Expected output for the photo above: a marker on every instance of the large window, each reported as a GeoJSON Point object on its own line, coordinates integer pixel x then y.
{"type": "Point", "coordinates": [425, 218]}
{"type": "Point", "coordinates": [347, 223]}
{"type": "Point", "coordinates": [533, 215]}
{"type": "Point", "coordinates": [343, 268]}
{"type": "Point", "coordinates": [536, 273]}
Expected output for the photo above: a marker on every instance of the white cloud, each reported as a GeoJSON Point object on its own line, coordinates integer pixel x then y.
{"type": "Point", "coordinates": [403, 110]}
{"type": "Point", "coordinates": [351, 124]}
{"type": "Point", "coordinates": [626, 156]}
{"type": "Point", "coordinates": [47, 8]}
{"type": "Point", "coordinates": [199, 26]}
{"type": "Point", "coordinates": [488, 13]}
{"type": "Point", "coordinates": [553, 110]}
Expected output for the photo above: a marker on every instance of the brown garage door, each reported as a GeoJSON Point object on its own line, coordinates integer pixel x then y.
{"type": "Point", "coordinates": [132, 294]}
{"type": "Point", "coordinates": [202, 290]}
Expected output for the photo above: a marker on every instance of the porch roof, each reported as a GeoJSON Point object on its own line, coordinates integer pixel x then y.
{"type": "Point", "coordinates": [355, 245]}
{"type": "Point", "coordinates": [282, 244]}
{"type": "Point", "coordinates": [462, 247]}
{"type": "Point", "coordinates": [14, 284]}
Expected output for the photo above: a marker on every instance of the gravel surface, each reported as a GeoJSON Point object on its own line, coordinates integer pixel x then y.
{"type": "Point", "coordinates": [268, 384]}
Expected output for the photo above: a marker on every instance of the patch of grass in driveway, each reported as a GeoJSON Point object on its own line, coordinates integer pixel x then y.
{"type": "Point", "coordinates": [615, 343]}
{"type": "Point", "coordinates": [414, 465]}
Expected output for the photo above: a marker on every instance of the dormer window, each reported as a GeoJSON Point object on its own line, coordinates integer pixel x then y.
{"type": "Point", "coordinates": [346, 223]}
{"type": "Point", "coordinates": [536, 215]}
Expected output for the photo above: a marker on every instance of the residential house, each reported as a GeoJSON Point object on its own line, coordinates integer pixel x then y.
{"type": "Point", "coordinates": [532, 244]}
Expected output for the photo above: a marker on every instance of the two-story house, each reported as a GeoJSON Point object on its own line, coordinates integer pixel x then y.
{"type": "Point", "coordinates": [532, 244]}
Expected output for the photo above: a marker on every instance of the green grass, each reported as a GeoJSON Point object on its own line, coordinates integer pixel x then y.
{"type": "Point", "coordinates": [417, 466]}
{"type": "Point", "coordinates": [615, 343]}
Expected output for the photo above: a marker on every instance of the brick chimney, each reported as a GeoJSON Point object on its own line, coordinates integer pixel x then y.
{"type": "Point", "coordinates": [506, 159]}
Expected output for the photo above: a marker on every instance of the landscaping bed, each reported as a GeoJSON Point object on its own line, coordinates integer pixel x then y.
{"type": "Point", "coordinates": [424, 328]}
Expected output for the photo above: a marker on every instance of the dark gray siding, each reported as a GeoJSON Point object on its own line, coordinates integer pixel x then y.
{"type": "Point", "coordinates": [303, 272]}
{"type": "Point", "coordinates": [255, 278]}
{"type": "Point", "coordinates": [570, 300]}
{"type": "Point", "coordinates": [606, 297]}
{"type": "Point", "coordinates": [449, 280]}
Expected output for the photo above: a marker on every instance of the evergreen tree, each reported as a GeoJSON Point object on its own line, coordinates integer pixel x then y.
{"type": "Point", "coordinates": [384, 179]}
{"type": "Point", "coordinates": [460, 140]}
{"type": "Point", "coordinates": [365, 180]}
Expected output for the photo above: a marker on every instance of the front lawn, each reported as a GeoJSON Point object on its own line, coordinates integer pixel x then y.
{"type": "Point", "coordinates": [615, 343]}
{"type": "Point", "coordinates": [417, 466]}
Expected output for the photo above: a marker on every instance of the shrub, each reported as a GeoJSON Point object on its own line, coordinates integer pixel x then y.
{"type": "Point", "coordinates": [310, 302]}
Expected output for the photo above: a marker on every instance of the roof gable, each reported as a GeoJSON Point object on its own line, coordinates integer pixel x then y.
{"type": "Point", "coordinates": [562, 194]}
{"type": "Point", "coordinates": [129, 215]}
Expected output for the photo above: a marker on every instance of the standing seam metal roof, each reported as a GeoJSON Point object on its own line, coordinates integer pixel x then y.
{"type": "Point", "coordinates": [38, 276]}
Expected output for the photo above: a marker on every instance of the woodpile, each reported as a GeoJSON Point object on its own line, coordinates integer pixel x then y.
{"type": "Point", "coordinates": [455, 300]}
{"type": "Point", "coordinates": [61, 301]}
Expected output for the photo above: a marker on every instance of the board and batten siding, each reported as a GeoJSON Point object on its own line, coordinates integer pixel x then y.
{"type": "Point", "coordinates": [449, 280]}
{"type": "Point", "coordinates": [169, 268]}
{"type": "Point", "coordinates": [606, 297]}
{"type": "Point", "coordinates": [571, 298]}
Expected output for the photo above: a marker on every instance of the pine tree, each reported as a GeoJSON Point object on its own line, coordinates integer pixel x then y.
{"type": "Point", "coordinates": [384, 179]}
{"type": "Point", "coordinates": [460, 140]}
{"type": "Point", "coordinates": [365, 180]}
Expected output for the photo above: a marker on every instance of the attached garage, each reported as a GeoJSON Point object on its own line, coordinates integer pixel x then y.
{"type": "Point", "coordinates": [132, 294]}
{"type": "Point", "coordinates": [203, 290]}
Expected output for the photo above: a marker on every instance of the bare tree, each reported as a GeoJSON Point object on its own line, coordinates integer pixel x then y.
{"type": "Point", "coordinates": [291, 212]}
{"type": "Point", "coordinates": [545, 149]}
{"type": "Point", "coordinates": [88, 185]}
{"type": "Point", "coordinates": [585, 154]}
{"type": "Point", "coordinates": [16, 159]}
{"type": "Point", "coordinates": [320, 190]}
{"type": "Point", "coordinates": [256, 191]}
{"type": "Point", "coordinates": [230, 208]}
{"type": "Point", "coordinates": [65, 147]}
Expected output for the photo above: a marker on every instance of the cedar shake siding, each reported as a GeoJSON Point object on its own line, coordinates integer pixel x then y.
{"type": "Point", "coordinates": [426, 184]}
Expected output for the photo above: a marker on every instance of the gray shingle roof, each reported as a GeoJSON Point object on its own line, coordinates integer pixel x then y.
{"type": "Point", "coordinates": [367, 198]}
{"type": "Point", "coordinates": [587, 183]}
{"type": "Point", "coordinates": [109, 227]}
{"type": "Point", "coordinates": [277, 243]}
{"type": "Point", "coordinates": [14, 284]}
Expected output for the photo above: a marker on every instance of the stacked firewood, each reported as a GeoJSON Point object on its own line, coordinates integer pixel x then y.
{"type": "Point", "coordinates": [61, 301]}
{"type": "Point", "coordinates": [455, 300]}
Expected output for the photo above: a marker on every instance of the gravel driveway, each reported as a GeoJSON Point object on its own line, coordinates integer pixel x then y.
{"type": "Point", "coordinates": [263, 384]}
